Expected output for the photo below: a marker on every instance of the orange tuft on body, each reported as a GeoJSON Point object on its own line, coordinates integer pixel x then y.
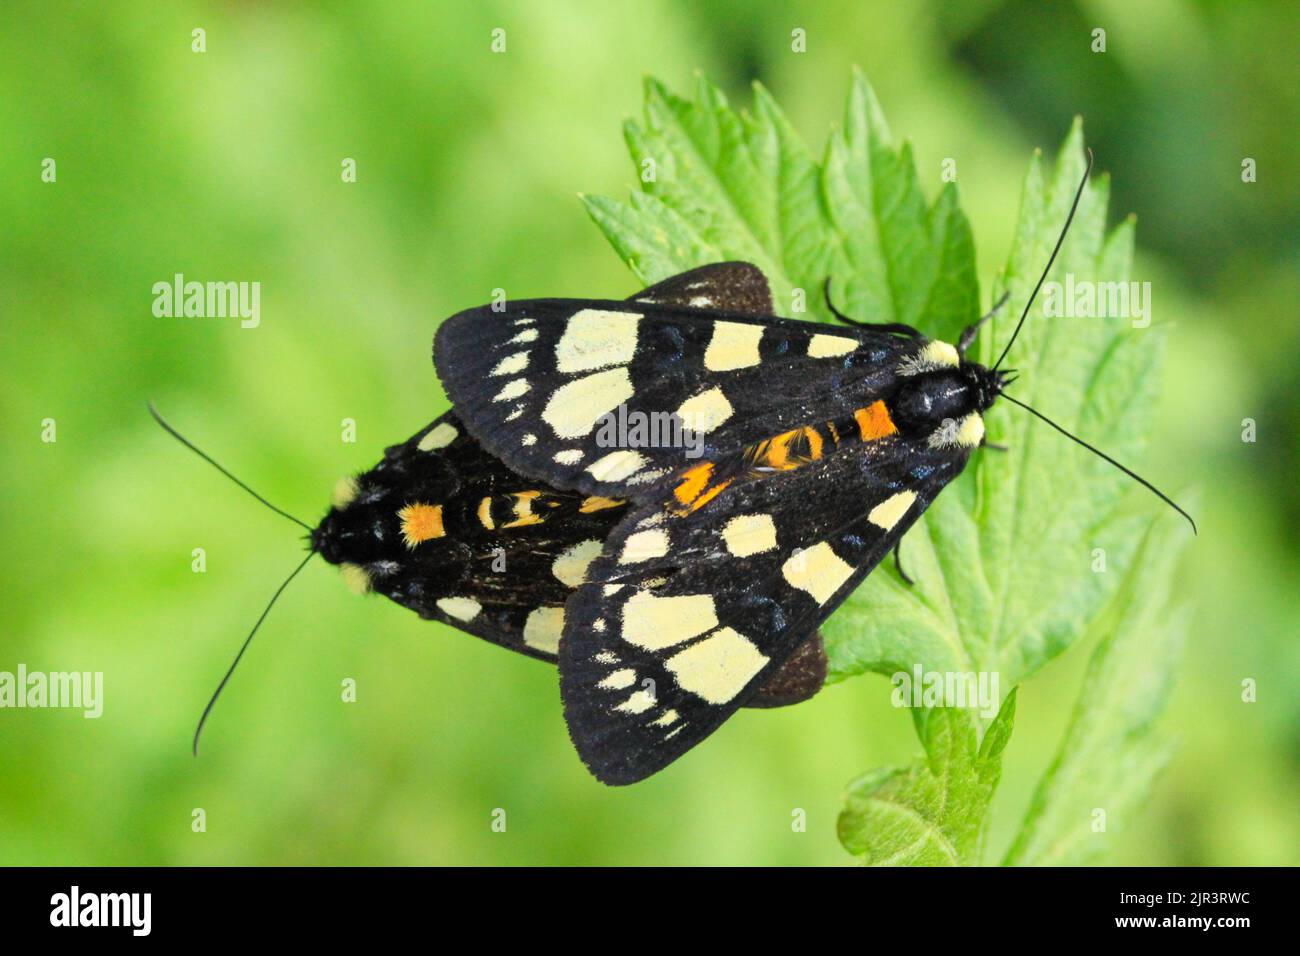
{"type": "Point", "coordinates": [420, 523]}
{"type": "Point", "coordinates": [874, 421]}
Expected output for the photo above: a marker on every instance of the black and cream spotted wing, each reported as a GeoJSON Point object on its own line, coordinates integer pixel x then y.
{"type": "Point", "coordinates": [683, 616]}
{"type": "Point", "coordinates": [533, 382]}
{"type": "Point", "coordinates": [822, 444]}
{"type": "Point", "coordinates": [443, 528]}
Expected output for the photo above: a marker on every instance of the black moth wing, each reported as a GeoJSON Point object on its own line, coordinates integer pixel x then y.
{"type": "Point", "coordinates": [683, 618]}
{"type": "Point", "coordinates": [531, 382]}
{"type": "Point", "coordinates": [507, 584]}
{"type": "Point", "coordinates": [725, 286]}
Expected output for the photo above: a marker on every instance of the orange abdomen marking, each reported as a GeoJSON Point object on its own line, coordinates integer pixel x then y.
{"type": "Point", "coordinates": [874, 421]}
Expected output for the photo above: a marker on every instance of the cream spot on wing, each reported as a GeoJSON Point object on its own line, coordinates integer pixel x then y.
{"type": "Point", "coordinates": [605, 657]}
{"type": "Point", "coordinates": [817, 570]}
{"type": "Point", "coordinates": [598, 625]}
{"type": "Point", "coordinates": [657, 622]}
{"type": "Point", "coordinates": [355, 577]}
{"type": "Point", "coordinates": [888, 512]}
{"type": "Point", "coordinates": [749, 534]}
{"type": "Point", "coordinates": [461, 608]}
{"type": "Point", "coordinates": [718, 667]}
{"type": "Point", "coordinates": [345, 492]}
{"type": "Point", "coordinates": [616, 466]}
{"type": "Point", "coordinates": [570, 456]}
{"type": "Point", "coordinates": [667, 719]}
{"type": "Point", "coordinates": [440, 436]}
{"type": "Point", "coordinates": [512, 389]}
{"type": "Point", "coordinates": [543, 627]}
{"type": "Point", "coordinates": [613, 588]}
{"type": "Point", "coordinates": [594, 339]}
{"type": "Point", "coordinates": [638, 703]}
{"type": "Point", "coordinates": [618, 680]}
{"type": "Point", "coordinates": [700, 302]}
{"type": "Point", "coordinates": [705, 411]}
{"type": "Point", "coordinates": [527, 335]}
{"type": "Point", "coordinates": [733, 345]}
{"type": "Point", "coordinates": [825, 346]}
{"type": "Point", "coordinates": [644, 545]}
{"type": "Point", "coordinates": [575, 406]}
{"type": "Point", "coordinates": [571, 566]}
{"type": "Point", "coordinates": [512, 364]}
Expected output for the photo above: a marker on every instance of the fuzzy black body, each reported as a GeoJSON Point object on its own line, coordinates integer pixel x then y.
{"type": "Point", "coordinates": [818, 448]}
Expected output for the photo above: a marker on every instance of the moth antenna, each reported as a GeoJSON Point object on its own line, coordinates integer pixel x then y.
{"type": "Point", "coordinates": [208, 458]}
{"type": "Point", "coordinates": [1101, 454]}
{"type": "Point", "coordinates": [248, 640]}
{"type": "Point", "coordinates": [1078, 194]}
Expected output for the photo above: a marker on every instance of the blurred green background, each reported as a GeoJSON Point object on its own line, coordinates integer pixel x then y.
{"type": "Point", "coordinates": [226, 165]}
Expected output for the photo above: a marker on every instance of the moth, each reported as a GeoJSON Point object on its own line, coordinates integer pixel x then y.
{"type": "Point", "coordinates": [672, 586]}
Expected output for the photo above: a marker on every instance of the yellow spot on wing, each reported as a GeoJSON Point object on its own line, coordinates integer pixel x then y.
{"type": "Point", "coordinates": [461, 608]}
{"type": "Point", "coordinates": [654, 622]}
{"type": "Point", "coordinates": [594, 339]}
{"type": "Point", "coordinates": [817, 570]}
{"type": "Point", "coordinates": [575, 406]}
{"type": "Point", "coordinates": [718, 667]}
{"type": "Point", "coordinates": [440, 436]}
{"type": "Point", "coordinates": [732, 345]}
{"type": "Point", "coordinates": [826, 346]}
{"type": "Point", "coordinates": [485, 513]}
{"type": "Point", "coordinates": [570, 567]}
{"type": "Point", "coordinates": [543, 627]}
{"type": "Point", "coordinates": [886, 514]}
{"type": "Point", "coordinates": [749, 534]}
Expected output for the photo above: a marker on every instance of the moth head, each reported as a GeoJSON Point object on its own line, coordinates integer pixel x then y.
{"type": "Point", "coordinates": [986, 383]}
{"type": "Point", "coordinates": [354, 530]}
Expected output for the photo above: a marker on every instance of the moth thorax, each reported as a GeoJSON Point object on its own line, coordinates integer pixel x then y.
{"type": "Point", "coordinates": [927, 400]}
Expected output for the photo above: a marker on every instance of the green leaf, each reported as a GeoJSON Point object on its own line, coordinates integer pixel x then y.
{"type": "Point", "coordinates": [931, 813]}
{"type": "Point", "coordinates": [1113, 749]}
{"type": "Point", "coordinates": [724, 184]}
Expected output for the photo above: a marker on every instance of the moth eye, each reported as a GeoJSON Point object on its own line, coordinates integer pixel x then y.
{"type": "Point", "coordinates": [345, 491]}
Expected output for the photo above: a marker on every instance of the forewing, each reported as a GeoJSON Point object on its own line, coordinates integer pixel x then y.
{"type": "Point", "coordinates": [683, 618]}
{"type": "Point", "coordinates": [536, 384]}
